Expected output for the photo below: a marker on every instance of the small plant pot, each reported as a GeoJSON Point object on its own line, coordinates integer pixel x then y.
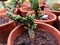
{"type": "Point", "coordinates": [3, 10]}
{"type": "Point", "coordinates": [52, 17]}
{"type": "Point", "coordinates": [5, 27]}
{"type": "Point", "coordinates": [56, 6]}
{"type": "Point", "coordinates": [59, 21]}
{"type": "Point", "coordinates": [25, 10]}
{"type": "Point", "coordinates": [54, 11]}
{"type": "Point", "coordinates": [19, 29]}
{"type": "Point", "coordinates": [26, 4]}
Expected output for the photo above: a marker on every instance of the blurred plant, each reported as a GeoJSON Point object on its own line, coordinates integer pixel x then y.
{"type": "Point", "coordinates": [28, 22]}
{"type": "Point", "coordinates": [35, 7]}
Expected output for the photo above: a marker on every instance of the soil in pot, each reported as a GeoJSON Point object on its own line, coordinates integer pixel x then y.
{"type": "Point", "coordinates": [41, 38]}
{"type": "Point", "coordinates": [4, 20]}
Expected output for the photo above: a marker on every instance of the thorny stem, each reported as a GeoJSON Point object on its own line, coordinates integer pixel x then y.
{"type": "Point", "coordinates": [28, 20]}
{"type": "Point", "coordinates": [31, 33]}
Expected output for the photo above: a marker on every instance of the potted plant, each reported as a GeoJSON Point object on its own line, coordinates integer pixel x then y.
{"type": "Point", "coordinates": [6, 25]}
{"type": "Point", "coordinates": [19, 29]}
{"type": "Point", "coordinates": [26, 4]}
{"type": "Point", "coordinates": [31, 32]}
{"type": "Point", "coordinates": [35, 32]}
{"type": "Point", "coordinates": [11, 3]}
{"type": "Point", "coordinates": [35, 9]}
{"type": "Point", "coordinates": [53, 7]}
{"type": "Point", "coordinates": [3, 10]}
{"type": "Point", "coordinates": [5, 21]}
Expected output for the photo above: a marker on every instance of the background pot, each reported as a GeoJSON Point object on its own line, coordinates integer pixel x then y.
{"type": "Point", "coordinates": [3, 10]}
{"type": "Point", "coordinates": [19, 29]}
{"type": "Point", "coordinates": [57, 13]}
{"type": "Point", "coordinates": [56, 6]}
{"type": "Point", "coordinates": [52, 17]}
{"type": "Point", "coordinates": [6, 28]}
{"type": "Point", "coordinates": [25, 10]}
{"type": "Point", "coordinates": [26, 4]}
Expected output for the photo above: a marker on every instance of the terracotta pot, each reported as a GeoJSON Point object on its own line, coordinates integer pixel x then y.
{"type": "Point", "coordinates": [59, 21]}
{"type": "Point", "coordinates": [3, 10]}
{"type": "Point", "coordinates": [52, 17]}
{"type": "Point", "coordinates": [11, 24]}
{"type": "Point", "coordinates": [25, 10]}
{"type": "Point", "coordinates": [54, 11]}
{"type": "Point", "coordinates": [56, 5]}
{"type": "Point", "coordinates": [26, 4]}
{"type": "Point", "coordinates": [19, 29]}
{"type": "Point", "coordinates": [7, 26]}
{"type": "Point", "coordinates": [57, 13]}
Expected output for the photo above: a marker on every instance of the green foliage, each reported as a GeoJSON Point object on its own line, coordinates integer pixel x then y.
{"type": "Point", "coordinates": [35, 5]}
{"type": "Point", "coordinates": [40, 15]}
{"type": "Point", "coordinates": [30, 1]}
{"type": "Point", "coordinates": [28, 20]}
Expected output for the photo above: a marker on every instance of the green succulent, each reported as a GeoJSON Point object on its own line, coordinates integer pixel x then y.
{"type": "Point", "coordinates": [28, 20]}
{"type": "Point", "coordinates": [35, 5]}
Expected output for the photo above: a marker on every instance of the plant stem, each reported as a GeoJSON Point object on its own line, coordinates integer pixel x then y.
{"type": "Point", "coordinates": [36, 15]}
{"type": "Point", "coordinates": [31, 35]}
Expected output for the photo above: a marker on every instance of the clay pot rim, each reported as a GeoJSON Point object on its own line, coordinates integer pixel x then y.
{"type": "Point", "coordinates": [9, 38]}
{"type": "Point", "coordinates": [59, 18]}
{"type": "Point", "coordinates": [57, 4]}
{"type": "Point", "coordinates": [47, 20]}
{"type": "Point", "coordinates": [54, 11]}
{"type": "Point", "coordinates": [24, 4]}
{"type": "Point", "coordinates": [21, 9]}
{"type": "Point", "coordinates": [6, 18]}
{"type": "Point", "coordinates": [6, 23]}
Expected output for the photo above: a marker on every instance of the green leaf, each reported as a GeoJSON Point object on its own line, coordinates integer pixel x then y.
{"type": "Point", "coordinates": [35, 5]}
{"type": "Point", "coordinates": [34, 26]}
{"type": "Point", "coordinates": [40, 15]}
